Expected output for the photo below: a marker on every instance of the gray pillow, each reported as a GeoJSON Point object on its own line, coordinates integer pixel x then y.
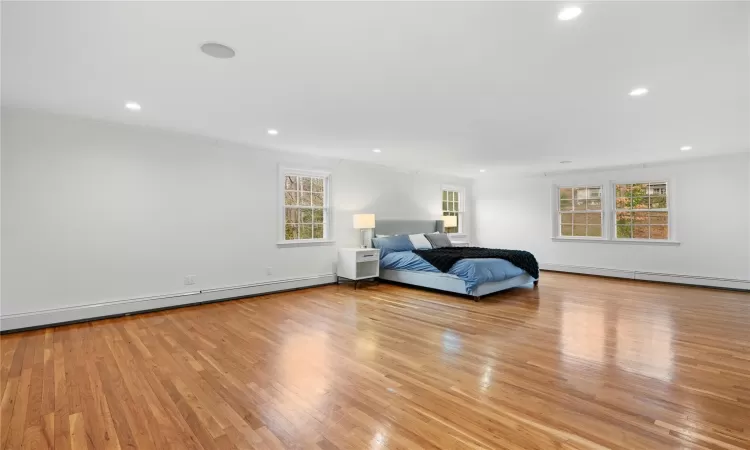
{"type": "Point", "coordinates": [438, 240]}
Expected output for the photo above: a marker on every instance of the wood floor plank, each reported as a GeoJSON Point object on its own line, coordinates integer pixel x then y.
{"type": "Point", "coordinates": [78, 438]}
{"type": "Point", "coordinates": [13, 437]}
{"type": "Point", "coordinates": [8, 353]}
{"type": "Point", "coordinates": [578, 363]}
{"type": "Point", "coordinates": [6, 409]}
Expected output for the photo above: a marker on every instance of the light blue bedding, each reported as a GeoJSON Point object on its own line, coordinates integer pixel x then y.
{"type": "Point", "coordinates": [472, 271]}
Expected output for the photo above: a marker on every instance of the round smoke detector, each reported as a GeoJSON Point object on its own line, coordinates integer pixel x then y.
{"type": "Point", "coordinates": [217, 50]}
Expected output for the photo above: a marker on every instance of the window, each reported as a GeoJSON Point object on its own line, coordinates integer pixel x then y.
{"type": "Point", "coordinates": [579, 211]}
{"type": "Point", "coordinates": [453, 206]}
{"type": "Point", "coordinates": [625, 212]}
{"type": "Point", "coordinates": [642, 211]}
{"type": "Point", "coordinates": [306, 213]}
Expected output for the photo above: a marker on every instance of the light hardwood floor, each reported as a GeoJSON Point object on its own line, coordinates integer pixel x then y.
{"type": "Point", "coordinates": [580, 362]}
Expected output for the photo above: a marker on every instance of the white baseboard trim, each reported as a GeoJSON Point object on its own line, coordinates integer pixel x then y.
{"type": "Point", "coordinates": [616, 273]}
{"type": "Point", "coordinates": [138, 305]}
{"type": "Point", "coordinates": [726, 283]}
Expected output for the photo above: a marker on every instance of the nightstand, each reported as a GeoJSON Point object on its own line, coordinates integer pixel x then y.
{"type": "Point", "coordinates": [459, 240]}
{"type": "Point", "coordinates": [358, 264]}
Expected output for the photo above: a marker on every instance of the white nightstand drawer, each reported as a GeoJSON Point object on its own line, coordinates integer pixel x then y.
{"type": "Point", "coordinates": [370, 255]}
{"type": "Point", "coordinates": [358, 263]}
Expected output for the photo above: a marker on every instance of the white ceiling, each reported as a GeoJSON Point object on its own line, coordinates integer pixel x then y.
{"type": "Point", "coordinates": [448, 86]}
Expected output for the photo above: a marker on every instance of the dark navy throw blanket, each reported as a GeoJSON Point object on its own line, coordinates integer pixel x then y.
{"type": "Point", "coordinates": [444, 258]}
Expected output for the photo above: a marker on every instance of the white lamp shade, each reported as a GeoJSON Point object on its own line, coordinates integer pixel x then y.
{"type": "Point", "coordinates": [364, 221]}
{"type": "Point", "coordinates": [450, 221]}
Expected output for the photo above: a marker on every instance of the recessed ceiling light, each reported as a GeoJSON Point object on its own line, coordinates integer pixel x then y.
{"type": "Point", "coordinates": [569, 13]}
{"type": "Point", "coordinates": [639, 91]}
{"type": "Point", "coordinates": [686, 148]}
{"type": "Point", "coordinates": [133, 106]}
{"type": "Point", "coordinates": [217, 50]}
{"type": "Point", "coordinates": [376, 150]}
{"type": "Point", "coordinates": [565, 162]}
{"type": "Point", "coordinates": [482, 170]}
{"type": "Point", "coordinates": [273, 132]}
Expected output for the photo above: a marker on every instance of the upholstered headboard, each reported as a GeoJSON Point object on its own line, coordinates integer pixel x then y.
{"type": "Point", "coordinates": [392, 227]}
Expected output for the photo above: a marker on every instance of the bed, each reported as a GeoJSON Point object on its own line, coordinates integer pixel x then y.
{"type": "Point", "coordinates": [474, 277]}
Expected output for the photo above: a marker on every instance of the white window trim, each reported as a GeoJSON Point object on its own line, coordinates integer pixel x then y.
{"type": "Point", "coordinates": [609, 207]}
{"type": "Point", "coordinates": [462, 235]}
{"type": "Point", "coordinates": [672, 240]}
{"type": "Point", "coordinates": [556, 228]}
{"type": "Point", "coordinates": [618, 241]}
{"type": "Point", "coordinates": [328, 208]}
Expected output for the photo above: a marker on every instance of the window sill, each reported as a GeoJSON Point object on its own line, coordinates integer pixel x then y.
{"type": "Point", "coordinates": [306, 243]}
{"type": "Point", "coordinates": [618, 241]}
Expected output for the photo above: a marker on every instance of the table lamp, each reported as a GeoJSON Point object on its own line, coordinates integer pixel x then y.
{"type": "Point", "coordinates": [450, 222]}
{"type": "Point", "coordinates": [363, 222]}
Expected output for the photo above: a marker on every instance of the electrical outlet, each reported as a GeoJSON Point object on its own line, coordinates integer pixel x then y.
{"type": "Point", "coordinates": [269, 270]}
{"type": "Point", "coordinates": [190, 279]}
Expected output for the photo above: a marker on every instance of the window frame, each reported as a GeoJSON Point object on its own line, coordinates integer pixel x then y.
{"type": "Point", "coordinates": [557, 224]}
{"type": "Point", "coordinates": [327, 206]}
{"type": "Point", "coordinates": [461, 213]}
{"type": "Point", "coordinates": [669, 210]}
{"type": "Point", "coordinates": [609, 210]}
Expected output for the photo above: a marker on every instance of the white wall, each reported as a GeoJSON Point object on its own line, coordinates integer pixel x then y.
{"type": "Point", "coordinates": [98, 212]}
{"type": "Point", "coordinates": [711, 213]}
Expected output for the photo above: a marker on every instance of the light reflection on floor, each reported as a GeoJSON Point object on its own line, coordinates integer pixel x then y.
{"type": "Point", "coordinates": [451, 341]}
{"type": "Point", "coordinates": [379, 440]}
{"type": "Point", "coordinates": [300, 365]}
{"type": "Point", "coordinates": [451, 347]}
{"type": "Point", "coordinates": [485, 381]}
{"type": "Point", "coordinates": [582, 333]}
{"type": "Point", "coordinates": [650, 354]}
{"type": "Point", "coordinates": [639, 343]}
{"type": "Point", "coordinates": [366, 345]}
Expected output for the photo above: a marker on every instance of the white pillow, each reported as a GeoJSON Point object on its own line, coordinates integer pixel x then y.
{"type": "Point", "coordinates": [420, 242]}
